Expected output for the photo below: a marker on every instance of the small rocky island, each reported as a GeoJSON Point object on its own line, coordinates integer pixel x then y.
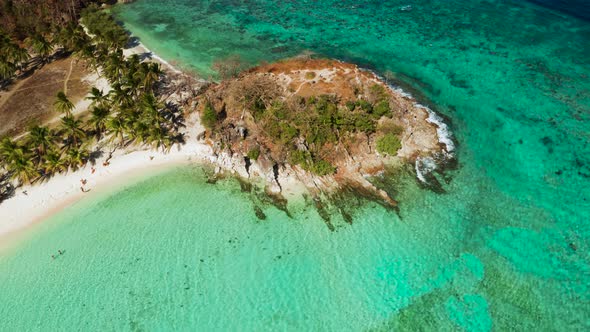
{"type": "Point", "coordinates": [322, 125]}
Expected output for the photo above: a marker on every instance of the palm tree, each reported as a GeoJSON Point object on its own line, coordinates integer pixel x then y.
{"type": "Point", "coordinates": [7, 68]}
{"type": "Point", "coordinates": [8, 149]}
{"type": "Point", "coordinates": [12, 56]}
{"type": "Point", "coordinates": [132, 80]}
{"type": "Point", "coordinates": [120, 96]}
{"type": "Point", "coordinates": [22, 167]}
{"type": "Point", "coordinates": [19, 55]}
{"type": "Point", "coordinates": [151, 107]}
{"type": "Point", "coordinates": [133, 62]}
{"type": "Point", "coordinates": [72, 128]}
{"type": "Point", "coordinates": [116, 38]}
{"type": "Point", "coordinates": [54, 163]}
{"type": "Point", "coordinates": [41, 139]}
{"type": "Point", "coordinates": [87, 53]}
{"type": "Point", "coordinates": [97, 97]}
{"type": "Point", "coordinates": [116, 128]}
{"type": "Point", "coordinates": [158, 137]}
{"type": "Point", "coordinates": [41, 46]}
{"type": "Point", "coordinates": [139, 130]}
{"type": "Point", "coordinates": [151, 74]}
{"type": "Point", "coordinates": [115, 63]}
{"type": "Point", "coordinates": [99, 119]}
{"type": "Point", "coordinates": [71, 37]}
{"type": "Point", "coordinates": [77, 157]}
{"type": "Point", "coordinates": [63, 104]}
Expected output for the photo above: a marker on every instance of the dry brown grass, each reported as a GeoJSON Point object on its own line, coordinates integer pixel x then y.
{"type": "Point", "coordinates": [30, 100]}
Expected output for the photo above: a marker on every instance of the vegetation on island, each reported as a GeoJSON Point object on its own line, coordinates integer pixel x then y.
{"type": "Point", "coordinates": [388, 144]}
{"type": "Point", "coordinates": [130, 113]}
{"type": "Point", "coordinates": [389, 141]}
{"type": "Point", "coordinates": [254, 153]}
{"type": "Point", "coordinates": [303, 131]}
{"type": "Point", "coordinates": [28, 26]}
{"type": "Point", "coordinates": [24, 18]}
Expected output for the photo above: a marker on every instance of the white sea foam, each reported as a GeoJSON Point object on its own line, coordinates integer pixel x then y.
{"type": "Point", "coordinates": [424, 165]}
{"type": "Point", "coordinates": [444, 134]}
{"type": "Point", "coordinates": [401, 92]}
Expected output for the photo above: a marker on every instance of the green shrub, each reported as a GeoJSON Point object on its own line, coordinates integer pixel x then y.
{"type": "Point", "coordinates": [344, 121]}
{"type": "Point", "coordinates": [321, 135]}
{"type": "Point", "coordinates": [350, 105]}
{"type": "Point", "coordinates": [298, 157]}
{"type": "Point", "coordinates": [389, 144]}
{"type": "Point", "coordinates": [288, 132]}
{"type": "Point", "coordinates": [273, 129]}
{"type": "Point", "coordinates": [364, 124]}
{"type": "Point", "coordinates": [365, 105]}
{"type": "Point", "coordinates": [324, 104]}
{"type": "Point", "coordinates": [377, 92]}
{"type": "Point", "coordinates": [279, 110]}
{"type": "Point", "coordinates": [310, 75]}
{"type": "Point", "coordinates": [258, 109]}
{"type": "Point", "coordinates": [322, 167]}
{"type": "Point", "coordinates": [280, 131]}
{"type": "Point", "coordinates": [209, 116]}
{"type": "Point", "coordinates": [381, 108]}
{"type": "Point", "coordinates": [254, 153]}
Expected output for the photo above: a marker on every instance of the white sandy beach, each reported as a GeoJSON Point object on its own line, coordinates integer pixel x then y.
{"type": "Point", "coordinates": [140, 49]}
{"type": "Point", "coordinates": [33, 203]}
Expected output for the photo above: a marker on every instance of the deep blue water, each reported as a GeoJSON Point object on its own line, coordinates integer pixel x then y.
{"type": "Point", "coordinates": [577, 8]}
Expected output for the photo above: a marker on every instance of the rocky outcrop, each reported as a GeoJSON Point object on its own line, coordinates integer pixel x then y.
{"type": "Point", "coordinates": [248, 108]}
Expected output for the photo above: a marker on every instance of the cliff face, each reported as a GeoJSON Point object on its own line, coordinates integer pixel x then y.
{"type": "Point", "coordinates": [323, 124]}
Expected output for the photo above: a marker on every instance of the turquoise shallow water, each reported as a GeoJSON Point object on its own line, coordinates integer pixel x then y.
{"type": "Point", "coordinates": [505, 248]}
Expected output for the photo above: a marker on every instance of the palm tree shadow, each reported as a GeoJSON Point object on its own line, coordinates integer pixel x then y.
{"type": "Point", "coordinates": [146, 56]}
{"type": "Point", "coordinates": [133, 42]}
{"type": "Point", "coordinates": [7, 190]}
{"type": "Point", "coordinates": [173, 113]}
{"type": "Point", "coordinates": [94, 156]}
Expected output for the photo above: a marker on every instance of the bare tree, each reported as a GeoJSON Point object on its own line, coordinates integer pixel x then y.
{"type": "Point", "coordinates": [229, 67]}
{"type": "Point", "coordinates": [253, 92]}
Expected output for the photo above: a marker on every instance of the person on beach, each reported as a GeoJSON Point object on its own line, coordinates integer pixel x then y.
{"type": "Point", "coordinates": [93, 170]}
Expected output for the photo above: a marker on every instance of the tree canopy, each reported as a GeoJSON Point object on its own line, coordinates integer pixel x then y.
{"type": "Point", "coordinates": [131, 112]}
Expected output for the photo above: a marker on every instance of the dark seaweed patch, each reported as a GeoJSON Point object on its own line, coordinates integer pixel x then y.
{"type": "Point", "coordinates": [259, 213]}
